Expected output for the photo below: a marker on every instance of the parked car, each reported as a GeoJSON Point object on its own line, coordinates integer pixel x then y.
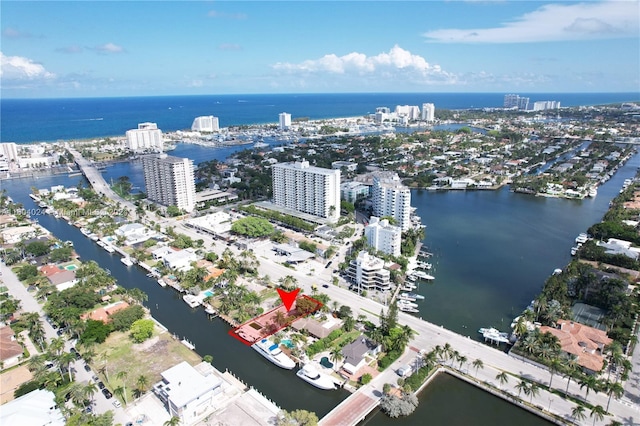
{"type": "Point", "coordinates": [106, 393]}
{"type": "Point", "coordinates": [87, 368]}
{"type": "Point", "coordinates": [116, 403]}
{"type": "Point", "coordinates": [404, 371]}
{"type": "Point", "coordinates": [100, 385]}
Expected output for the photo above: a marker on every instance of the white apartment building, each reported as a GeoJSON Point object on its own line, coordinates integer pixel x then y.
{"type": "Point", "coordinates": [188, 394]}
{"type": "Point", "coordinates": [147, 137]}
{"type": "Point", "coordinates": [284, 120]}
{"type": "Point", "coordinates": [412, 112]}
{"type": "Point", "coordinates": [368, 273]}
{"type": "Point", "coordinates": [170, 181]}
{"type": "Point", "coordinates": [351, 191]}
{"type": "Point", "coordinates": [205, 123]}
{"type": "Point", "coordinates": [382, 236]}
{"type": "Point", "coordinates": [307, 189]}
{"type": "Point", "coordinates": [428, 112]}
{"type": "Point", "coordinates": [544, 105]}
{"type": "Point", "coordinates": [391, 198]}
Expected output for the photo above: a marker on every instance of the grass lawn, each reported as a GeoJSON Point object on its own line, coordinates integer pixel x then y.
{"type": "Point", "coordinates": [147, 359]}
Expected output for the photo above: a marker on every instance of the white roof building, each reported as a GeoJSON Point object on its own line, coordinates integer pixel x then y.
{"type": "Point", "coordinates": [383, 237]}
{"type": "Point", "coordinates": [180, 260]}
{"type": "Point", "coordinates": [186, 393]}
{"type": "Point", "coordinates": [147, 137]}
{"type": "Point", "coordinates": [368, 273]}
{"type": "Point", "coordinates": [391, 198]}
{"type": "Point", "coordinates": [37, 408]}
{"type": "Point", "coordinates": [205, 123]}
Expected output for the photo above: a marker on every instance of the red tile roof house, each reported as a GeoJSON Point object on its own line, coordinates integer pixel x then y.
{"type": "Point", "coordinates": [584, 342]}
{"type": "Point", "coordinates": [104, 314]}
{"type": "Point", "coordinates": [10, 350]}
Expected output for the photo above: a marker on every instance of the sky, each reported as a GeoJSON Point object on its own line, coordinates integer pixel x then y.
{"type": "Point", "coordinates": [55, 49]}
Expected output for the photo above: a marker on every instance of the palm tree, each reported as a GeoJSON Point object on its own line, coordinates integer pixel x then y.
{"type": "Point", "coordinates": [66, 358]}
{"type": "Point", "coordinates": [522, 387]}
{"type": "Point", "coordinates": [570, 369]}
{"type": "Point", "coordinates": [534, 390]}
{"type": "Point", "coordinates": [104, 356]}
{"type": "Point", "coordinates": [477, 364]}
{"type": "Point", "coordinates": [336, 356]}
{"type": "Point", "coordinates": [554, 366]}
{"type": "Point", "coordinates": [122, 375]}
{"type": "Point", "coordinates": [173, 421]}
{"type": "Point", "coordinates": [578, 413]}
{"type": "Point", "coordinates": [589, 382]}
{"type": "Point", "coordinates": [142, 383]}
{"type": "Point", "coordinates": [614, 389]}
{"type": "Point", "coordinates": [461, 360]}
{"type": "Point", "coordinates": [89, 390]}
{"type": "Point", "coordinates": [121, 393]}
{"type": "Point", "coordinates": [503, 378]}
{"type": "Point", "coordinates": [597, 413]}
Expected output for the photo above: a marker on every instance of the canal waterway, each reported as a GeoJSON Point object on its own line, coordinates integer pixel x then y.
{"type": "Point", "coordinates": [450, 401]}
{"type": "Point", "coordinates": [492, 250]}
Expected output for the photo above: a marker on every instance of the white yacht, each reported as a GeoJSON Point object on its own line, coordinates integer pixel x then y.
{"type": "Point", "coordinates": [109, 248]}
{"type": "Point", "coordinates": [407, 303]}
{"type": "Point", "coordinates": [423, 275]}
{"type": "Point", "coordinates": [405, 308]}
{"type": "Point", "coordinates": [272, 352]}
{"type": "Point", "coordinates": [582, 238]}
{"type": "Point", "coordinates": [405, 296]}
{"type": "Point", "coordinates": [309, 374]}
{"type": "Point", "coordinates": [126, 260]}
{"type": "Point", "coordinates": [416, 296]}
{"type": "Point", "coordinates": [162, 283]}
{"type": "Point", "coordinates": [191, 300]}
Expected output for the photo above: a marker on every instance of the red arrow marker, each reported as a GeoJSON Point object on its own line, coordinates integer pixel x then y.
{"type": "Point", "coordinates": [288, 297]}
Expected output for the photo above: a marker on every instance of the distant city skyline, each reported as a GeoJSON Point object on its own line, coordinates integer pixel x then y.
{"type": "Point", "coordinates": [145, 48]}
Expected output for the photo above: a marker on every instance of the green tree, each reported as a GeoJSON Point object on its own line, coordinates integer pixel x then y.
{"type": "Point", "coordinates": [502, 378]}
{"type": "Point", "coordinates": [173, 421]}
{"type": "Point", "coordinates": [597, 413]}
{"type": "Point", "coordinates": [297, 418]}
{"type": "Point", "coordinates": [578, 413]}
{"type": "Point", "coordinates": [141, 330]}
{"type": "Point", "coordinates": [254, 227]}
{"type": "Point", "coordinates": [477, 364]}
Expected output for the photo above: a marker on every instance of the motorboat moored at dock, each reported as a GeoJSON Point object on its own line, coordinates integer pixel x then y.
{"type": "Point", "coordinates": [309, 374]}
{"type": "Point", "coordinates": [273, 353]}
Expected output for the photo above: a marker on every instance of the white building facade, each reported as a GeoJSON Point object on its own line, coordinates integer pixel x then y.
{"type": "Point", "coordinates": [205, 123]}
{"type": "Point", "coordinates": [383, 237]}
{"type": "Point", "coordinates": [352, 191]}
{"type": "Point", "coordinates": [147, 137]}
{"type": "Point", "coordinates": [170, 181]}
{"type": "Point", "coordinates": [428, 112]}
{"type": "Point", "coordinates": [284, 121]}
{"type": "Point", "coordinates": [368, 273]}
{"type": "Point", "coordinates": [307, 189]}
{"type": "Point", "coordinates": [391, 198]}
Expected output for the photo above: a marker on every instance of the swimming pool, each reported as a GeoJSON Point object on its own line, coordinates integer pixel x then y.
{"type": "Point", "coordinates": [208, 293]}
{"type": "Point", "coordinates": [287, 342]}
{"type": "Point", "coordinates": [71, 267]}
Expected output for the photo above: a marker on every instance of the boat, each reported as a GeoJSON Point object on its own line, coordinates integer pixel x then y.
{"type": "Point", "coordinates": [423, 275]}
{"type": "Point", "coordinates": [574, 250]}
{"type": "Point", "coordinates": [407, 303]}
{"type": "Point", "coordinates": [405, 296]}
{"type": "Point", "coordinates": [407, 309]}
{"type": "Point", "coordinates": [593, 192]}
{"type": "Point", "coordinates": [191, 300]}
{"type": "Point", "coordinates": [424, 265]}
{"type": "Point", "coordinates": [68, 243]}
{"type": "Point", "coordinates": [162, 283]}
{"type": "Point", "coordinates": [416, 296]}
{"type": "Point", "coordinates": [582, 238]}
{"type": "Point", "coordinates": [126, 260]}
{"type": "Point", "coordinates": [272, 352]}
{"type": "Point", "coordinates": [209, 309]}
{"type": "Point", "coordinates": [494, 335]}
{"type": "Point", "coordinates": [260, 144]}
{"type": "Point", "coordinates": [100, 243]}
{"type": "Point", "coordinates": [309, 374]}
{"type": "Point", "coordinates": [109, 248]}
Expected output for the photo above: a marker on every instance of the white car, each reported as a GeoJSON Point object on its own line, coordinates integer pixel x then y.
{"type": "Point", "coordinates": [117, 404]}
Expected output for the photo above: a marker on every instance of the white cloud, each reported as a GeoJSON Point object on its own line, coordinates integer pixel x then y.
{"type": "Point", "coordinates": [555, 22]}
{"type": "Point", "coordinates": [395, 63]}
{"type": "Point", "coordinates": [14, 33]}
{"type": "Point", "coordinates": [21, 68]}
{"type": "Point", "coordinates": [108, 48]}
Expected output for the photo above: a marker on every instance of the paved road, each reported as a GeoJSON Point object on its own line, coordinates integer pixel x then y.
{"type": "Point", "coordinates": [29, 304]}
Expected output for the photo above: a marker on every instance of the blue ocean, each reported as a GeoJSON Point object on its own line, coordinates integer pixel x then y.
{"type": "Point", "coordinates": [46, 120]}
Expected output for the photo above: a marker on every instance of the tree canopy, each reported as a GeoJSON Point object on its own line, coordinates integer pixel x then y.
{"type": "Point", "coordinates": [252, 227]}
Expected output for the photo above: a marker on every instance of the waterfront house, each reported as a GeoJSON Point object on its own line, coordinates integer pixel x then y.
{"type": "Point", "coordinates": [187, 393]}
{"type": "Point", "coordinates": [583, 342]}
{"type": "Point", "coordinates": [20, 233]}
{"type": "Point", "coordinates": [355, 353]}
{"type": "Point", "coordinates": [162, 252]}
{"type": "Point", "coordinates": [104, 313]}
{"type": "Point", "coordinates": [63, 279]}
{"type": "Point", "coordinates": [134, 233]}
{"type": "Point", "coordinates": [316, 328]}
{"type": "Point", "coordinates": [180, 260]}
